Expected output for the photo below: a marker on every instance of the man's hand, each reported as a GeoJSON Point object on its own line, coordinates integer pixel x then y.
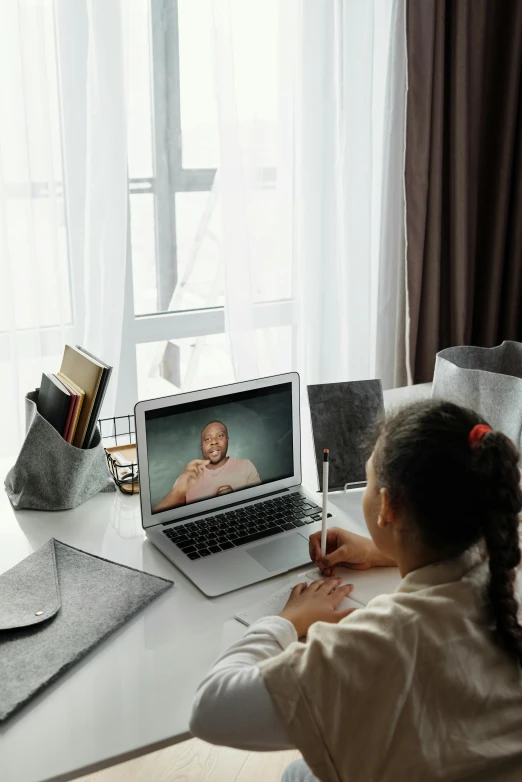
{"type": "Point", "coordinates": [345, 548]}
{"type": "Point", "coordinates": [316, 603]}
{"type": "Point", "coordinates": [224, 490]}
{"type": "Point", "coordinates": [190, 475]}
{"type": "Point", "coordinates": [178, 494]}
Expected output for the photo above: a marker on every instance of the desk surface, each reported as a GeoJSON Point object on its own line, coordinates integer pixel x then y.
{"type": "Point", "coordinates": [134, 692]}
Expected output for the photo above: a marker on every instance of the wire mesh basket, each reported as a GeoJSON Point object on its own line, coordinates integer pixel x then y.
{"type": "Point", "coordinates": [118, 435]}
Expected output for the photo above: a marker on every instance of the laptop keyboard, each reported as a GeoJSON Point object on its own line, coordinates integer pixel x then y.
{"type": "Point", "coordinates": [225, 531]}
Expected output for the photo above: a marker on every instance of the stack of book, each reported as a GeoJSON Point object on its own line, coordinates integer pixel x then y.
{"type": "Point", "coordinates": [71, 400]}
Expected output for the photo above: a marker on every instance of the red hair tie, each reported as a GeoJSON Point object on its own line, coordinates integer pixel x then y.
{"type": "Point", "coordinates": [476, 435]}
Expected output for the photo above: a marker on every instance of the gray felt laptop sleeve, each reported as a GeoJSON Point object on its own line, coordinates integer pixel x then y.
{"type": "Point", "coordinates": [55, 606]}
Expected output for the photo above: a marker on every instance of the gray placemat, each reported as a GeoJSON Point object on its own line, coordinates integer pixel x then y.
{"type": "Point", "coordinates": [82, 599]}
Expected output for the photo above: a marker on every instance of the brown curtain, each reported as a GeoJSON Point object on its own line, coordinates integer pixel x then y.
{"type": "Point", "coordinates": [463, 175]}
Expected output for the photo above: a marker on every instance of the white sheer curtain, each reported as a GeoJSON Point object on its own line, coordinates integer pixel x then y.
{"type": "Point", "coordinates": [63, 191]}
{"type": "Point", "coordinates": [310, 108]}
{"type": "Point", "coordinates": [392, 316]}
{"type": "Point", "coordinates": [337, 148]}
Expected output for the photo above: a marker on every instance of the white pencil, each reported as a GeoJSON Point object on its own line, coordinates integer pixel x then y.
{"type": "Point", "coordinates": [325, 502]}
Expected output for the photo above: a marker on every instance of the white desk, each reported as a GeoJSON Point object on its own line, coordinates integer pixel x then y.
{"type": "Point", "coordinates": [132, 694]}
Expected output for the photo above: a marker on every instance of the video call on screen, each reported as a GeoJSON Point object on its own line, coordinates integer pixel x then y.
{"type": "Point", "coordinates": [201, 450]}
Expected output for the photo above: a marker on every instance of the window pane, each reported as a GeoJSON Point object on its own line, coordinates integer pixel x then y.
{"type": "Point", "coordinates": [29, 114]}
{"type": "Point", "coordinates": [200, 277]}
{"type": "Point", "coordinates": [199, 132]}
{"type": "Point", "coordinates": [200, 264]}
{"type": "Point", "coordinates": [189, 269]}
{"type": "Point", "coordinates": [254, 40]}
{"type": "Point", "coordinates": [271, 267]}
{"type": "Point", "coordinates": [274, 350]}
{"type": "Point", "coordinates": [166, 368]}
{"type": "Point", "coordinates": [34, 233]}
{"type": "Point", "coordinates": [143, 253]}
{"type": "Point", "coordinates": [136, 24]}
{"type": "Point", "coordinates": [34, 230]}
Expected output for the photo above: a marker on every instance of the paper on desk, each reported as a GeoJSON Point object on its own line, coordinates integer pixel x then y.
{"type": "Point", "coordinates": [273, 605]}
{"type": "Point", "coordinates": [367, 583]}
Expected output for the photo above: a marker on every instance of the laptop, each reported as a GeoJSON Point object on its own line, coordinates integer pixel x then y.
{"type": "Point", "coordinates": [220, 482]}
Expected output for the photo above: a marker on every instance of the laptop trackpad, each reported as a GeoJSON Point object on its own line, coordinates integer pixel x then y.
{"type": "Point", "coordinates": [288, 553]}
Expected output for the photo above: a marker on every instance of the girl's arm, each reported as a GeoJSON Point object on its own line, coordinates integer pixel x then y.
{"type": "Point", "coordinates": [232, 706]}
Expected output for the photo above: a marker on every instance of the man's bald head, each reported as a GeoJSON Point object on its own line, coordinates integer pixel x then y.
{"type": "Point", "coordinates": [214, 442]}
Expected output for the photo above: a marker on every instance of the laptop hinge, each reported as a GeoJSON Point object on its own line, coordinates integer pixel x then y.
{"type": "Point", "coordinates": [232, 505]}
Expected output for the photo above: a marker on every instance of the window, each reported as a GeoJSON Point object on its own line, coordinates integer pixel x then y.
{"type": "Point", "coordinates": [177, 267]}
{"type": "Point", "coordinates": [174, 314]}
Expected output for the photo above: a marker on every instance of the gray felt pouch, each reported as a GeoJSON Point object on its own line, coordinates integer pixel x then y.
{"type": "Point", "coordinates": [489, 380]}
{"type": "Point", "coordinates": [55, 606]}
{"type": "Point", "coordinates": [51, 474]}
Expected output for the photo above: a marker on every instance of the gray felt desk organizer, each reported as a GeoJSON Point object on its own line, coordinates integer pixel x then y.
{"type": "Point", "coordinates": [489, 380]}
{"type": "Point", "coordinates": [51, 474]}
{"type": "Point", "coordinates": [55, 606]}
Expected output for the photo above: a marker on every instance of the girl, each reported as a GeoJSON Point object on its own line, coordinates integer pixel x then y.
{"type": "Point", "coordinates": [425, 683]}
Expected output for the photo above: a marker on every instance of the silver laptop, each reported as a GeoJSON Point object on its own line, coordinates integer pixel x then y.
{"type": "Point", "coordinates": [220, 482]}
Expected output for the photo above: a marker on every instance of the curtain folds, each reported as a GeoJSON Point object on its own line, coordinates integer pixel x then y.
{"type": "Point", "coordinates": [392, 318]}
{"type": "Point", "coordinates": [63, 192]}
{"type": "Point", "coordinates": [309, 188]}
{"type": "Point", "coordinates": [463, 176]}
{"type": "Point", "coordinates": [337, 151]}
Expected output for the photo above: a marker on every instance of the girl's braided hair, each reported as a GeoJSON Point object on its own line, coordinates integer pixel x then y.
{"type": "Point", "coordinates": [458, 493]}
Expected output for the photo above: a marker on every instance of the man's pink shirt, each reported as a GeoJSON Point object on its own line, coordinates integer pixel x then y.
{"type": "Point", "coordinates": [236, 473]}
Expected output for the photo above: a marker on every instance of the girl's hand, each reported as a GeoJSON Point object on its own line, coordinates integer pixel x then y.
{"type": "Point", "coordinates": [316, 603]}
{"type": "Point", "coordinates": [345, 548]}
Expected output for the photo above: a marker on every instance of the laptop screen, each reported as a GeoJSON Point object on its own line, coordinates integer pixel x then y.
{"type": "Point", "coordinates": [200, 450]}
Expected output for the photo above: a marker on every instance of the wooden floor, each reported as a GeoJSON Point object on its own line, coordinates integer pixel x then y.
{"type": "Point", "coordinates": [195, 761]}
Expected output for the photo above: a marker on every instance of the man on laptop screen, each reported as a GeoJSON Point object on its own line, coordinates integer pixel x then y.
{"type": "Point", "coordinates": [213, 475]}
